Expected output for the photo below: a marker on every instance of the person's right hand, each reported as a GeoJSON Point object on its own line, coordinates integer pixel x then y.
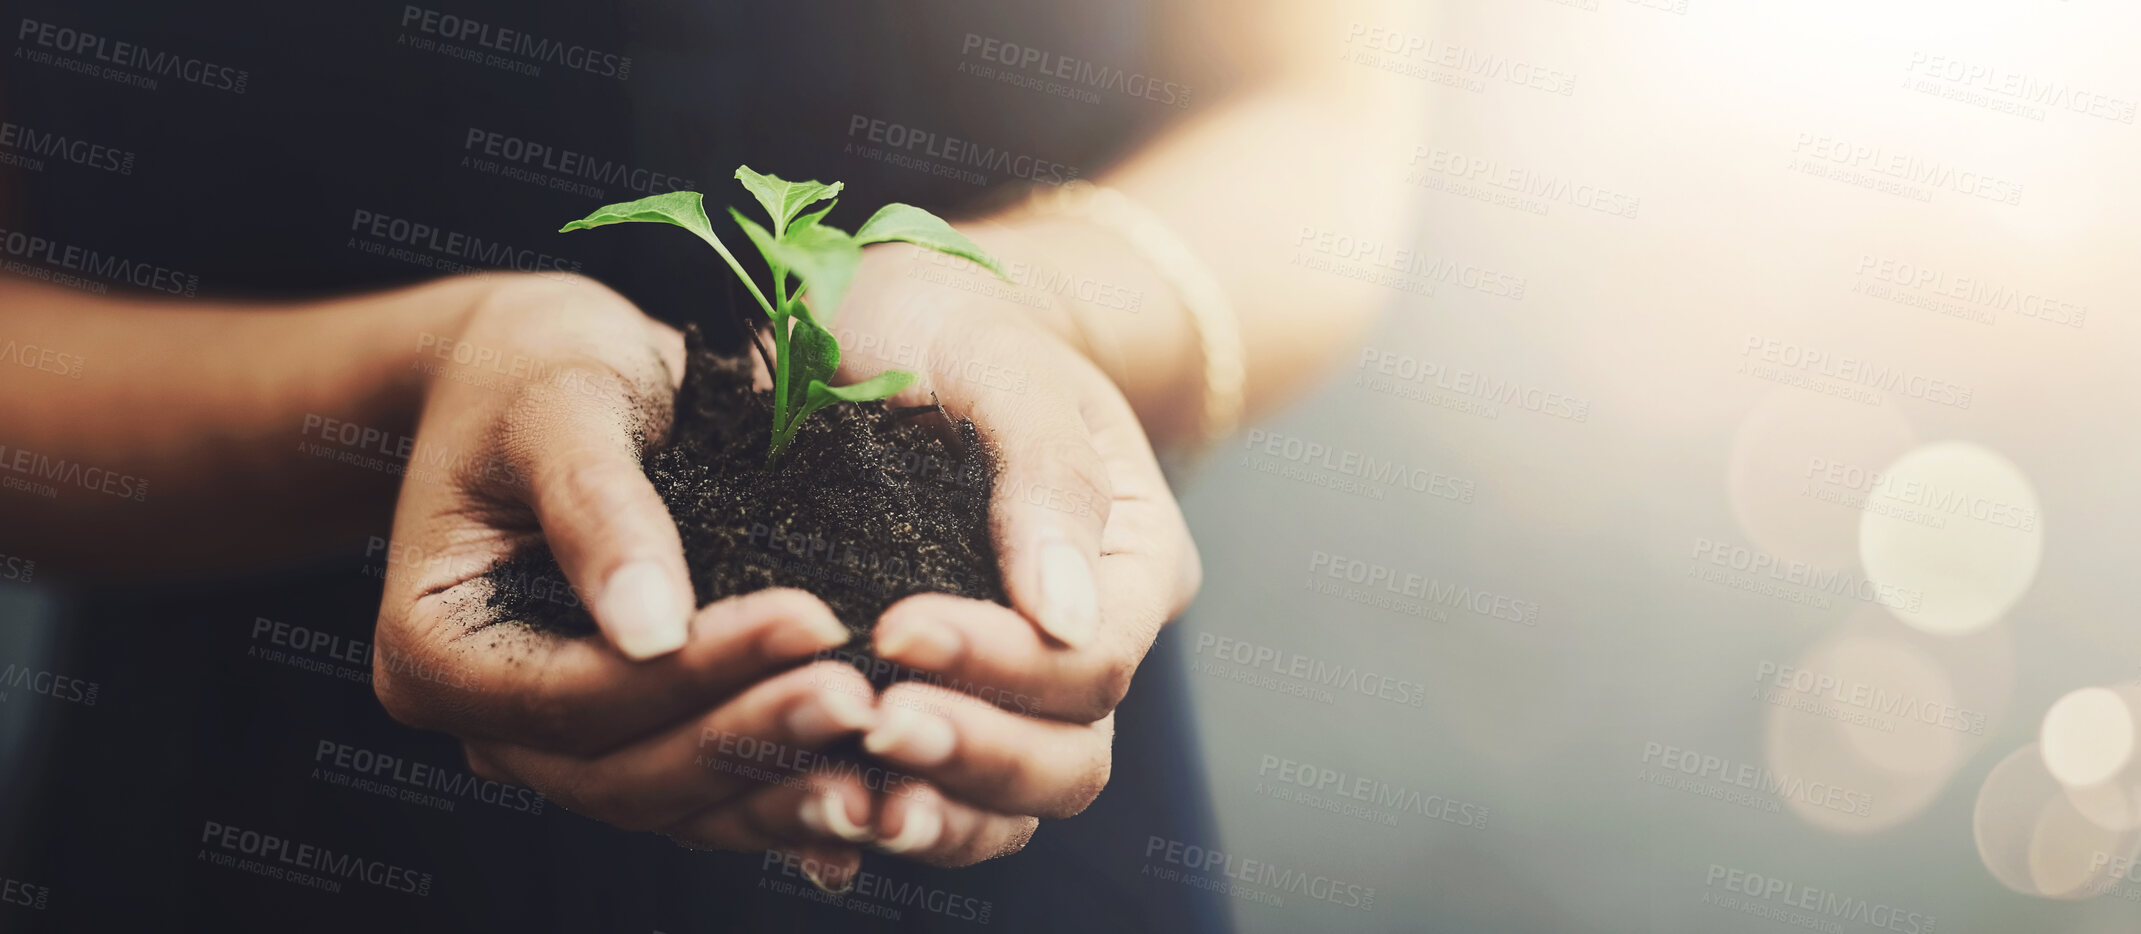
{"type": "Point", "coordinates": [663, 722]}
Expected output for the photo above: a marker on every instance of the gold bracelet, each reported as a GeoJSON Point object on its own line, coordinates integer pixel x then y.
{"type": "Point", "coordinates": [1211, 315]}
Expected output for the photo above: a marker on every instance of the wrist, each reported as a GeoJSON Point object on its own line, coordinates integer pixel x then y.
{"type": "Point", "coordinates": [1108, 300]}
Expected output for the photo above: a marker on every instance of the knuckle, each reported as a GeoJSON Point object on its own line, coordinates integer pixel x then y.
{"type": "Point", "coordinates": [1020, 835]}
{"type": "Point", "coordinates": [1190, 580]}
{"type": "Point", "coordinates": [612, 801]}
{"type": "Point", "coordinates": [1087, 788]}
{"type": "Point", "coordinates": [1109, 685]}
{"type": "Point", "coordinates": [551, 720]}
{"type": "Point", "coordinates": [412, 702]}
{"type": "Point", "coordinates": [1073, 468]}
{"type": "Point", "coordinates": [401, 701]}
{"type": "Point", "coordinates": [481, 766]}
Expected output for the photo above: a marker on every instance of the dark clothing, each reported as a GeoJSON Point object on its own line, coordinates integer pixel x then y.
{"type": "Point", "coordinates": [298, 149]}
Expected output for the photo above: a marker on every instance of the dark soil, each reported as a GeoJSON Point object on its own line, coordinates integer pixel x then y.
{"type": "Point", "coordinates": [867, 506]}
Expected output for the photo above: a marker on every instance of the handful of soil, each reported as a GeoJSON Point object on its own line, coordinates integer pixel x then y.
{"type": "Point", "coordinates": [865, 508]}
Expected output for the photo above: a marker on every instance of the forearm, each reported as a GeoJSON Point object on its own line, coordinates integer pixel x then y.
{"type": "Point", "coordinates": [182, 445]}
{"type": "Point", "coordinates": [1313, 148]}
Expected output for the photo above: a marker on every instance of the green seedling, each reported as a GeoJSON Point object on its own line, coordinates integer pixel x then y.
{"type": "Point", "coordinates": [821, 260]}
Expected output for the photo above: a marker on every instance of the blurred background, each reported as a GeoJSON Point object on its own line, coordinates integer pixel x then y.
{"type": "Point", "coordinates": [1725, 527]}
{"type": "Point", "coordinates": [1843, 518]}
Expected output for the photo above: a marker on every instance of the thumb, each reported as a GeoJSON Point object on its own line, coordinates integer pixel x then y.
{"type": "Point", "coordinates": [611, 533]}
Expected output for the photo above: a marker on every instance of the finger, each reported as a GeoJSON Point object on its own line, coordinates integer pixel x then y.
{"type": "Point", "coordinates": [609, 530]}
{"type": "Point", "coordinates": [833, 869]}
{"type": "Point", "coordinates": [1052, 493]}
{"type": "Point", "coordinates": [512, 684]}
{"type": "Point", "coordinates": [979, 647]}
{"type": "Point", "coordinates": [767, 735]}
{"type": "Point", "coordinates": [791, 813]}
{"type": "Point", "coordinates": [924, 826]}
{"type": "Point", "coordinates": [1148, 573]}
{"type": "Point", "coordinates": [989, 757]}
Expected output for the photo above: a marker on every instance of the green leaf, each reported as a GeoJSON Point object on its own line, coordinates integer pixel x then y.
{"type": "Point", "coordinates": [816, 355]}
{"type": "Point", "coordinates": [682, 208]}
{"type": "Point", "coordinates": [876, 387]}
{"type": "Point", "coordinates": [782, 198]}
{"type": "Point", "coordinates": [921, 228]}
{"type": "Point", "coordinates": [810, 220]}
{"type": "Point", "coordinates": [685, 209]}
{"type": "Point", "coordinates": [825, 259]}
{"type": "Point", "coordinates": [820, 395]}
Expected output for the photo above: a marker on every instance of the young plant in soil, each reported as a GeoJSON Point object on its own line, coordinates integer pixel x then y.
{"type": "Point", "coordinates": [862, 505]}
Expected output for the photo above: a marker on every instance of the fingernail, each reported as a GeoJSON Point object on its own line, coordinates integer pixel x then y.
{"type": "Point", "coordinates": [823, 716]}
{"type": "Point", "coordinates": [911, 736]}
{"type": "Point", "coordinates": [837, 821]}
{"type": "Point", "coordinates": [644, 611]}
{"type": "Point", "coordinates": [810, 871]}
{"type": "Point", "coordinates": [920, 831]}
{"type": "Point", "coordinates": [920, 643]}
{"type": "Point", "coordinates": [1070, 603]}
{"type": "Point", "coordinates": [805, 635]}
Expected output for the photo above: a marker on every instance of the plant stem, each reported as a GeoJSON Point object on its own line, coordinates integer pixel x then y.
{"type": "Point", "coordinates": [780, 367]}
{"type": "Point", "coordinates": [737, 268]}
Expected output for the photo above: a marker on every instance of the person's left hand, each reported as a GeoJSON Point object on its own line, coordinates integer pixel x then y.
{"type": "Point", "coordinates": [1013, 718]}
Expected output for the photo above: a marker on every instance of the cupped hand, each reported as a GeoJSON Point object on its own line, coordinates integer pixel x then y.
{"type": "Point", "coordinates": [681, 719]}
{"type": "Point", "coordinates": [1010, 714]}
